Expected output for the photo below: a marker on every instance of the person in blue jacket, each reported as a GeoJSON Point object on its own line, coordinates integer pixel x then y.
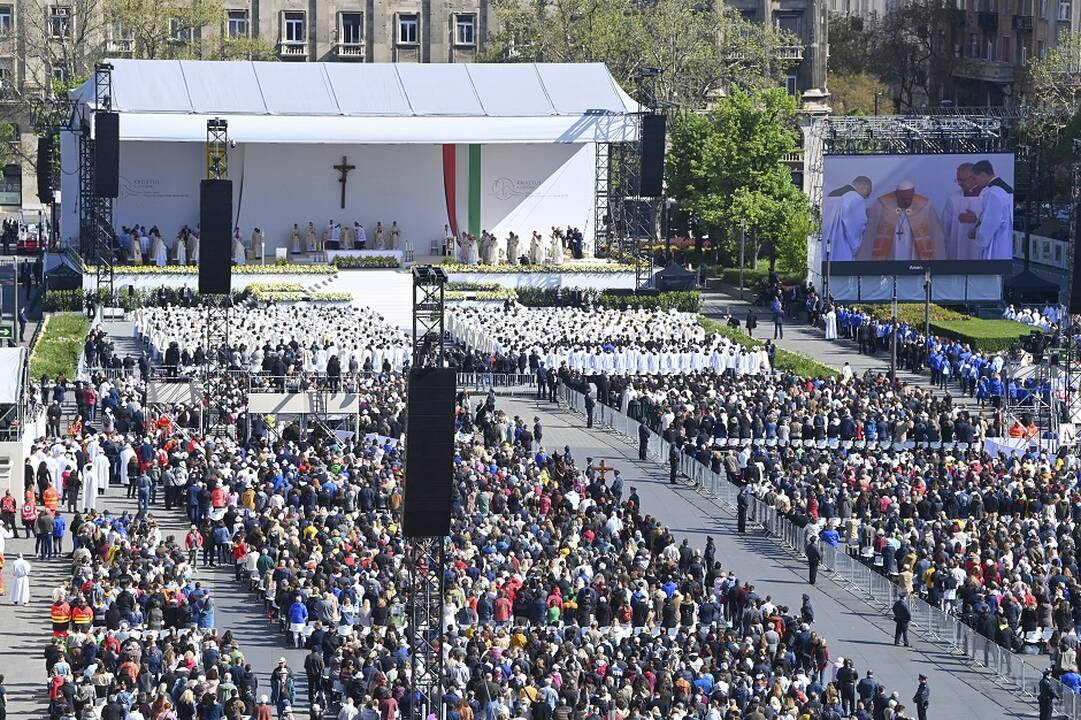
{"type": "Point", "coordinates": [298, 620]}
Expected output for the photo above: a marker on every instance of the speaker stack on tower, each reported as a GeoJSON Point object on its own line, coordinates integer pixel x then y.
{"type": "Point", "coordinates": [106, 154]}
{"type": "Point", "coordinates": [215, 228]}
{"type": "Point", "coordinates": [429, 452]}
{"type": "Point", "coordinates": [652, 154]}
{"type": "Point", "coordinates": [1075, 283]}
{"type": "Point", "coordinates": [45, 169]}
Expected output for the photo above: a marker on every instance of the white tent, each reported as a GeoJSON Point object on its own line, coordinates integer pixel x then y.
{"type": "Point", "coordinates": [264, 102]}
{"type": "Point", "coordinates": [523, 140]}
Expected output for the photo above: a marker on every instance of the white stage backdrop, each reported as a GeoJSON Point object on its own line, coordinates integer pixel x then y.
{"type": "Point", "coordinates": [522, 188]}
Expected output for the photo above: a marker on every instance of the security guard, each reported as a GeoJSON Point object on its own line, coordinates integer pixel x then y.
{"type": "Point", "coordinates": [82, 616]}
{"type": "Point", "coordinates": [60, 614]}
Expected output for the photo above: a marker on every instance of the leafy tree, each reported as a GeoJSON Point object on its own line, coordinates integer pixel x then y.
{"type": "Point", "coordinates": [913, 53]}
{"type": "Point", "coordinates": [851, 43]}
{"type": "Point", "coordinates": [248, 48]}
{"type": "Point", "coordinates": [702, 47]}
{"type": "Point", "coordinates": [855, 94]}
{"type": "Point", "coordinates": [165, 28]}
{"type": "Point", "coordinates": [1053, 92]}
{"type": "Point", "coordinates": [727, 169]}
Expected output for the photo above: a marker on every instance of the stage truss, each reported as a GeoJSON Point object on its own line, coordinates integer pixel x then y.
{"type": "Point", "coordinates": [426, 555]}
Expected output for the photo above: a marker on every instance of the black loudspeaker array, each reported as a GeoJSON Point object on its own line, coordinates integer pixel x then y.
{"type": "Point", "coordinates": [429, 452]}
{"type": "Point", "coordinates": [653, 127]}
{"type": "Point", "coordinates": [45, 169]}
{"type": "Point", "coordinates": [106, 154]}
{"type": "Point", "coordinates": [215, 227]}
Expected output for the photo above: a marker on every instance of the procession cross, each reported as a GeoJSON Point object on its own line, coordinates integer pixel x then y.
{"type": "Point", "coordinates": [603, 469]}
{"type": "Point", "coordinates": [344, 169]}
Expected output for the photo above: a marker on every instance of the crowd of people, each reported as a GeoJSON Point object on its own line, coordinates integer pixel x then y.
{"type": "Point", "coordinates": [308, 339]}
{"type": "Point", "coordinates": [565, 597]}
{"type": "Point", "coordinates": [1047, 318]}
{"type": "Point", "coordinates": [603, 340]}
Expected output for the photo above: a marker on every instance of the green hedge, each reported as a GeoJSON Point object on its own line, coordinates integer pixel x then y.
{"type": "Point", "coordinates": [58, 346]}
{"type": "Point", "coordinates": [911, 313]}
{"type": "Point", "coordinates": [74, 300]}
{"type": "Point", "coordinates": [983, 335]}
{"type": "Point", "coordinates": [357, 262]}
{"type": "Point", "coordinates": [784, 360]}
{"type": "Point", "coordinates": [681, 300]}
{"type": "Point", "coordinates": [759, 275]}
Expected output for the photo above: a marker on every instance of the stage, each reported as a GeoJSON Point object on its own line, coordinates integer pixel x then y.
{"type": "Point", "coordinates": [502, 148]}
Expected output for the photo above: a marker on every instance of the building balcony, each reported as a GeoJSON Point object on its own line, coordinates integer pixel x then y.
{"type": "Point", "coordinates": [995, 71]}
{"type": "Point", "coordinates": [1022, 23]}
{"type": "Point", "coordinates": [293, 48]}
{"type": "Point", "coordinates": [120, 46]}
{"type": "Point", "coordinates": [350, 50]}
{"type": "Point", "coordinates": [789, 52]}
{"type": "Point", "coordinates": [987, 21]}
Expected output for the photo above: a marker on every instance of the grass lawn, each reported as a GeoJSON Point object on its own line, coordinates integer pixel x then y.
{"type": "Point", "coordinates": [59, 345]}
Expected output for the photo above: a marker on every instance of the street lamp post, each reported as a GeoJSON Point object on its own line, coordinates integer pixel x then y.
{"type": "Point", "coordinates": [926, 304]}
{"type": "Point", "coordinates": [742, 248]}
{"type": "Point", "coordinates": [893, 336]}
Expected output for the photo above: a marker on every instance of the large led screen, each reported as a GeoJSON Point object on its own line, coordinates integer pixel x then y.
{"type": "Point", "coordinates": [896, 213]}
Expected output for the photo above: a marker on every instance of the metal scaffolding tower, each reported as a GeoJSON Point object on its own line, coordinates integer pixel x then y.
{"type": "Point", "coordinates": [216, 378]}
{"type": "Point", "coordinates": [101, 213]}
{"type": "Point", "coordinates": [602, 225]}
{"type": "Point", "coordinates": [426, 555]}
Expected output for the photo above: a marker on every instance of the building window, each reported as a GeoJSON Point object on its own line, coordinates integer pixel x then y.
{"type": "Point", "coordinates": [7, 79]}
{"type": "Point", "coordinates": [1064, 11]}
{"type": "Point", "coordinates": [408, 29]}
{"type": "Point", "coordinates": [293, 27]}
{"type": "Point", "coordinates": [791, 22]}
{"type": "Point", "coordinates": [973, 46]}
{"type": "Point", "coordinates": [238, 23]}
{"type": "Point", "coordinates": [1039, 48]}
{"type": "Point", "coordinates": [1005, 56]}
{"type": "Point", "coordinates": [351, 28]}
{"type": "Point", "coordinates": [465, 30]}
{"type": "Point", "coordinates": [60, 21]}
{"type": "Point", "coordinates": [179, 31]}
{"type": "Point", "coordinates": [1043, 9]}
{"type": "Point", "coordinates": [790, 85]}
{"type": "Point", "coordinates": [7, 17]}
{"type": "Point", "coordinates": [60, 73]}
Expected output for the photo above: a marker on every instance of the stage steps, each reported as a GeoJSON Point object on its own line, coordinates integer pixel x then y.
{"type": "Point", "coordinates": [388, 292]}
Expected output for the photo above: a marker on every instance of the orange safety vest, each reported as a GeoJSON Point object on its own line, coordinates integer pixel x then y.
{"type": "Point", "coordinates": [60, 613]}
{"type": "Point", "coordinates": [82, 615]}
{"type": "Point", "coordinates": [50, 498]}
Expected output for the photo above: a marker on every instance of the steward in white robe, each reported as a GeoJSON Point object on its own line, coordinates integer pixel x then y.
{"type": "Point", "coordinates": [20, 573]}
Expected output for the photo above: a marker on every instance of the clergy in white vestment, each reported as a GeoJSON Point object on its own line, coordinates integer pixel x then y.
{"type": "Point", "coordinates": [101, 473]}
{"type": "Point", "coordinates": [335, 235]}
{"type": "Point", "coordinates": [239, 255]}
{"type": "Point", "coordinates": [89, 487]}
{"type": "Point", "coordinates": [294, 240]}
{"type": "Point", "coordinates": [994, 234]}
{"type": "Point", "coordinates": [555, 252]}
{"type": "Point", "coordinates": [161, 257]}
{"type": "Point", "coordinates": [257, 244]}
{"type": "Point", "coordinates": [136, 250]}
{"type": "Point", "coordinates": [20, 574]}
{"type": "Point", "coordinates": [830, 320]}
{"type": "Point", "coordinates": [182, 249]}
{"type": "Point", "coordinates": [536, 249]}
{"type": "Point", "coordinates": [960, 214]}
{"type": "Point", "coordinates": [844, 217]}
{"type": "Point", "coordinates": [378, 235]}
{"type": "Point", "coordinates": [309, 237]}
{"type": "Point", "coordinates": [193, 249]}
{"type": "Point", "coordinates": [394, 236]}
{"type": "Point", "coordinates": [903, 225]}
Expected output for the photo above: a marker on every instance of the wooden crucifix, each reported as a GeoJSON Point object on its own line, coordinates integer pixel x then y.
{"type": "Point", "coordinates": [344, 169]}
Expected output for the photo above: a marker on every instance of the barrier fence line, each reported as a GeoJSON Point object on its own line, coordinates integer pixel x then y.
{"type": "Point", "coordinates": [933, 624]}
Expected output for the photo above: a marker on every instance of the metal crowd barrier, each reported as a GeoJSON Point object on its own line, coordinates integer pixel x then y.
{"type": "Point", "coordinates": [932, 623]}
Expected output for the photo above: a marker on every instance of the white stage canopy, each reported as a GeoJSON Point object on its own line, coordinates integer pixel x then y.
{"type": "Point", "coordinates": [269, 102]}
